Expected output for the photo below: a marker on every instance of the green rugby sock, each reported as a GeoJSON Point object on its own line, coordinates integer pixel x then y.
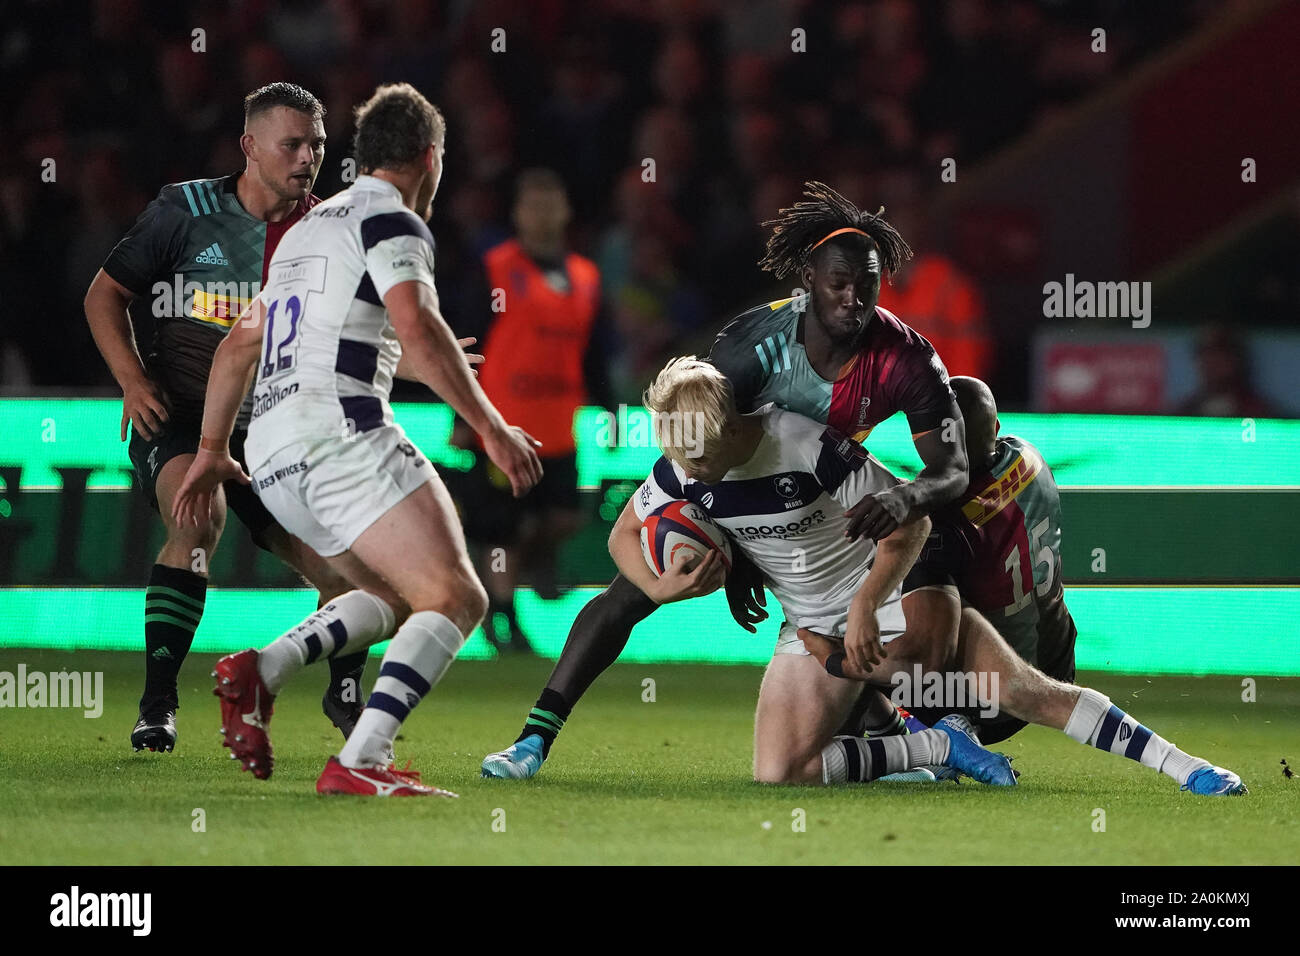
{"type": "Point", "coordinates": [546, 719]}
{"type": "Point", "coordinates": [173, 607]}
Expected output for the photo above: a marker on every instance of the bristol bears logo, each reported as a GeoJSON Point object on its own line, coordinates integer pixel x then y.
{"type": "Point", "coordinates": [786, 486]}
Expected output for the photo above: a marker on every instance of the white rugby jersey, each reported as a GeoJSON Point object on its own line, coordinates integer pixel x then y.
{"type": "Point", "coordinates": [329, 350]}
{"type": "Point", "coordinates": [785, 507]}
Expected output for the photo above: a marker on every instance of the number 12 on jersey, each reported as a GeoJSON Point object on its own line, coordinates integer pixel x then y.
{"type": "Point", "coordinates": [291, 283]}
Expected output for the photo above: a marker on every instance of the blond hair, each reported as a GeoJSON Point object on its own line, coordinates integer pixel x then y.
{"type": "Point", "coordinates": [690, 403]}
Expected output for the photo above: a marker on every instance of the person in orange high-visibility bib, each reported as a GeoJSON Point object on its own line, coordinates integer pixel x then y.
{"type": "Point", "coordinates": [538, 327]}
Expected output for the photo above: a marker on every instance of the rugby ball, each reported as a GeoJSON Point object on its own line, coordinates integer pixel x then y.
{"type": "Point", "coordinates": [681, 532]}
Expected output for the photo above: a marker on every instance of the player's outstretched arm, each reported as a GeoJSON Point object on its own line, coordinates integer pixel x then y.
{"type": "Point", "coordinates": [406, 373]}
{"type": "Point", "coordinates": [895, 555]}
{"type": "Point", "coordinates": [677, 584]}
{"type": "Point", "coordinates": [233, 366]}
{"type": "Point", "coordinates": [944, 477]}
{"type": "Point", "coordinates": [143, 401]}
{"type": "Point", "coordinates": [435, 357]}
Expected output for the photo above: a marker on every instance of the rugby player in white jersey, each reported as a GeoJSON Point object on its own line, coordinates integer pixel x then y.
{"type": "Point", "coordinates": [350, 302]}
{"type": "Point", "coordinates": [780, 484]}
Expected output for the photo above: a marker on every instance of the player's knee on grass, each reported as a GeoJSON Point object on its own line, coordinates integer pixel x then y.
{"type": "Point", "coordinates": [788, 768]}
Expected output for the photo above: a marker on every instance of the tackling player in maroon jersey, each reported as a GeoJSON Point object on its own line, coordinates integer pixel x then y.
{"type": "Point", "coordinates": [985, 599]}
{"type": "Point", "coordinates": [828, 353]}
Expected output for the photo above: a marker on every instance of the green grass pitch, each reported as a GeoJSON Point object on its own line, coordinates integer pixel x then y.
{"type": "Point", "coordinates": [630, 782]}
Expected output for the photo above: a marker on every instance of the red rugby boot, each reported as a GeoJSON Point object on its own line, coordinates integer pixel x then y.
{"type": "Point", "coordinates": [246, 708]}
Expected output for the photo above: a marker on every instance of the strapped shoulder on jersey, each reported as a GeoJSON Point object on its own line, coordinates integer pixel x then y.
{"type": "Point", "coordinates": [839, 457]}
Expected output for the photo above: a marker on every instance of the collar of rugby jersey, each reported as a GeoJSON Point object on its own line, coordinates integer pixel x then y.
{"type": "Point", "coordinates": [366, 181]}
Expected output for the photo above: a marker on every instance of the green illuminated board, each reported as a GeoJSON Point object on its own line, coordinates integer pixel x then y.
{"type": "Point", "coordinates": [1137, 630]}
{"type": "Point", "coordinates": [1084, 450]}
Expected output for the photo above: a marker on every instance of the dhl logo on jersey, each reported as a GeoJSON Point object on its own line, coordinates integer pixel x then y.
{"type": "Point", "coordinates": [218, 309]}
{"type": "Point", "coordinates": [1002, 490]}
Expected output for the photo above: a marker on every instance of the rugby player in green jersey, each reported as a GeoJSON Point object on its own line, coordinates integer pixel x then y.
{"type": "Point", "coordinates": [829, 353]}
{"type": "Point", "coordinates": [199, 253]}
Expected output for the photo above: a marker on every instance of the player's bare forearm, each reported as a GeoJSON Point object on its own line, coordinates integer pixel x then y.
{"type": "Point", "coordinates": [407, 373]}
{"type": "Point", "coordinates": [625, 549]}
{"type": "Point", "coordinates": [946, 472]}
{"type": "Point", "coordinates": [677, 582]}
{"type": "Point", "coordinates": [895, 555]}
{"type": "Point", "coordinates": [233, 366]}
{"type": "Point", "coordinates": [106, 305]}
{"type": "Point", "coordinates": [432, 354]}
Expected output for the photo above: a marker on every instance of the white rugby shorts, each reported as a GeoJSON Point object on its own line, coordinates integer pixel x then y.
{"type": "Point", "coordinates": [889, 617]}
{"type": "Point", "coordinates": [328, 491]}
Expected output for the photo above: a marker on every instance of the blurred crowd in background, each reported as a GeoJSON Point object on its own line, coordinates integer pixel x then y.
{"type": "Point", "coordinates": [114, 93]}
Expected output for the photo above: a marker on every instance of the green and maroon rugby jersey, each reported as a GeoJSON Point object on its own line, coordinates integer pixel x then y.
{"type": "Point", "coordinates": [200, 259]}
{"type": "Point", "coordinates": [999, 543]}
{"type": "Point", "coordinates": [762, 354]}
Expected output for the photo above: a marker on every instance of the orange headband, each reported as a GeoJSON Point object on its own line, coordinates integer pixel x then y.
{"type": "Point", "coordinates": [838, 232]}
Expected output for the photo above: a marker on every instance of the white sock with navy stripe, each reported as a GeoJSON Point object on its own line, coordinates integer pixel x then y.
{"type": "Point", "coordinates": [415, 661]}
{"type": "Point", "coordinates": [862, 759]}
{"type": "Point", "coordinates": [1096, 722]}
{"type": "Point", "coordinates": [345, 625]}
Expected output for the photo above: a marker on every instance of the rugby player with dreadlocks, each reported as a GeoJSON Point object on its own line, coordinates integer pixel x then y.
{"type": "Point", "coordinates": [829, 353]}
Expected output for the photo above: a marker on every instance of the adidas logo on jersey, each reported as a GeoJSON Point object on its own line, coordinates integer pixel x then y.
{"type": "Point", "coordinates": [778, 350]}
{"type": "Point", "coordinates": [212, 256]}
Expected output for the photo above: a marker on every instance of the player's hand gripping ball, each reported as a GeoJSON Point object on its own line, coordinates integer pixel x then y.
{"type": "Point", "coordinates": [681, 533]}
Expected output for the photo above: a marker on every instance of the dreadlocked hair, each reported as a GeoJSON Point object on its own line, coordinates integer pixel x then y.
{"type": "Point", "coordinates": [798, 229]}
